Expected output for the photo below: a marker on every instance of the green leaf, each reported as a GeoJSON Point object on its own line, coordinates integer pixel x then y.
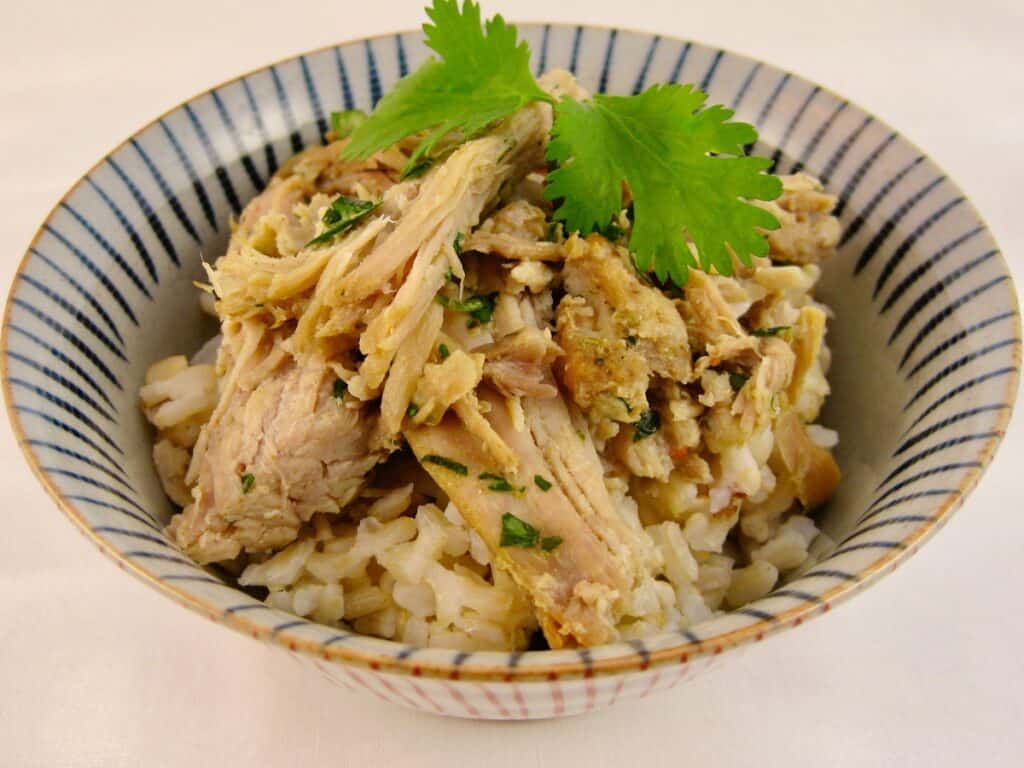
{"type": "Point", "coordinates": [685, 167]}
{"type": "Point", "coordinates": [483, 75]}
{"type": "Point", "coordinates": [774, 330]}
{"type": "Point", "coordinates": [343, 123]}
{"type": "Point", "coordinates": [443, 351]}
{"type": "Point", "coordinates": [340, 388]}
{"type": "Point", "coordinates": [412, 410]}
{"type": "Point", "coordinates": [648, 423]}
{"type": "Point", "coordinates": [444, 461]}
{"type": "Point", "coordinates": [247, 482]}
{"type": "Point", "coordinates": [343, 214]}
{"type": "Point", "coordinates": [517, 533]}
{"type": "Point", "coordinates": [542, 483]}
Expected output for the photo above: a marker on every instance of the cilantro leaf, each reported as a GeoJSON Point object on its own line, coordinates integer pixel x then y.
{"type": "Point", "coordinates": [684, 165]}
{"type": "Point", "coordinates": [482, 76]}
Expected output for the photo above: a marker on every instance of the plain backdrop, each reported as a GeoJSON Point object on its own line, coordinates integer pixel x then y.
{"type": "Point", "coordinates": [923, 669]}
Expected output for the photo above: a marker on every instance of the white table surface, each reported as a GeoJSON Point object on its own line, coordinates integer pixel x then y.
{"type": "Point", "coordinates": [97, 669]}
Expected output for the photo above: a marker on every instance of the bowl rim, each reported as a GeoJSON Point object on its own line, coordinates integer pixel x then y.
{"type": "Point", "coordinates": [492, 666]}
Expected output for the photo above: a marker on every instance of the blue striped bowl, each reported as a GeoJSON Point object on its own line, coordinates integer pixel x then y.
{"type": "Point", "coordinates": [926, 342]}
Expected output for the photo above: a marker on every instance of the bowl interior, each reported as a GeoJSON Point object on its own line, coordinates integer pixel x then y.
{"type": "Point", "coordinates": [924, 338]}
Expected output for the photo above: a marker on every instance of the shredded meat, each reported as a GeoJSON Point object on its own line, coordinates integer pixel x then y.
{"type": "Point", "coordinates": [576, 586]}
{"type": "Point", "coordinates": [279, 452]}
{"type": "Point", "coordinates": [616, 332]}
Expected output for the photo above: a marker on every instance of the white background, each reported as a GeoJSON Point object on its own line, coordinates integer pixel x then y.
{"type": "Point", "coordinates": [923, 669]}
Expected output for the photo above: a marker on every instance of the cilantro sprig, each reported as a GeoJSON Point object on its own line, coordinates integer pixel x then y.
{"type": "Point", "coordinates": [685, 167]}
{"type": "Point", "coordinates": [482, 76]}
{"type": "Point", "coordinates": [684, 162]}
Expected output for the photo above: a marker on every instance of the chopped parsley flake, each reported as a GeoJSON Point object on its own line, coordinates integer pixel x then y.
{"type": "Point", "coordinates": [774, 330]}
{"type": "Point", "coordinates": [340, 388]}
{"type": "Point", "coordinates": [479, 308]}
{"type": "Point", "coordinates": [549, 543]}
{"type": "Point", "coordinates": [544, 485]}
{"type": "Point", "coordinates": [518, 533]}
{"type": "Point", "coordinates": [247, 482]}
{"type": "Point", "coordinates": [631, 340]}
{"type": "Point", "coordinates": [443, 351]}
{"type": "Point", "coordinates": [412, 410]}
{"type": "Point", "coordinates": [648, 423]}
{"type": "Point", "coordinates": [343, 214]}
{"type": "Point", "coordinates": [500, 483]}
{"type": "Point", "coordinates": [737, 380]}
{"type": "Point", "coordinates": [449, 464]}
{"type": "Point", "coordinates": [457, 243]}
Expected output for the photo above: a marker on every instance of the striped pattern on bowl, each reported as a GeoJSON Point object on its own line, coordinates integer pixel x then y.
{"type": "Point", "coordinates": [926, 347]}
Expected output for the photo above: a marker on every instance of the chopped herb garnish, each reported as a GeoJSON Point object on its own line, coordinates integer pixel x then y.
{"type": "Point", "coordinates": [549, 543]}
{"type": "Point", "coordinates": [544, 485]}
{"type": "Point", "coordinates": [450, 464]}
{"type": "Point", "coordinates": [648, 423]}
{"type": "Point", "coordinates": [553, 232]}
{"type": "Point", "coordinates": [774, 330]}
{"type": "Point", "coordinates": [343, 123]}
{"type": "Point", "coordinates": [443, 351]}
{"type": "Point", "coordinates": [457, 243]}
{"type": "Point", "coordinates": [340, 387]}
{"type": "Point", "coordinates": [631, 340]}
{"type": "Point", "coordinates": [412, 410]}
{"type": "Point", "coordinates": [500, 483]}
{"type": "Point", "coordinates": [479, 308]}
{"type": "Point", "coordinates": [625, 404]}
{"type": "Point", "coordinates": [259, 306]}
{"type": "Point", "coordinates": [247, 481]}
{"type": "Point", "coordinates": [517, 533]}
{"type": "Point", "coordinates": [450, 276]}
{"type": "Point", "coordinates": [737, 380]}
{"type": "Point", "coordinates": [343, 214]}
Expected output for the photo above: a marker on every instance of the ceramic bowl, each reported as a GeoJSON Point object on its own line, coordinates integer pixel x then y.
{"type": "Point", "coordinates": [925, 339]}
